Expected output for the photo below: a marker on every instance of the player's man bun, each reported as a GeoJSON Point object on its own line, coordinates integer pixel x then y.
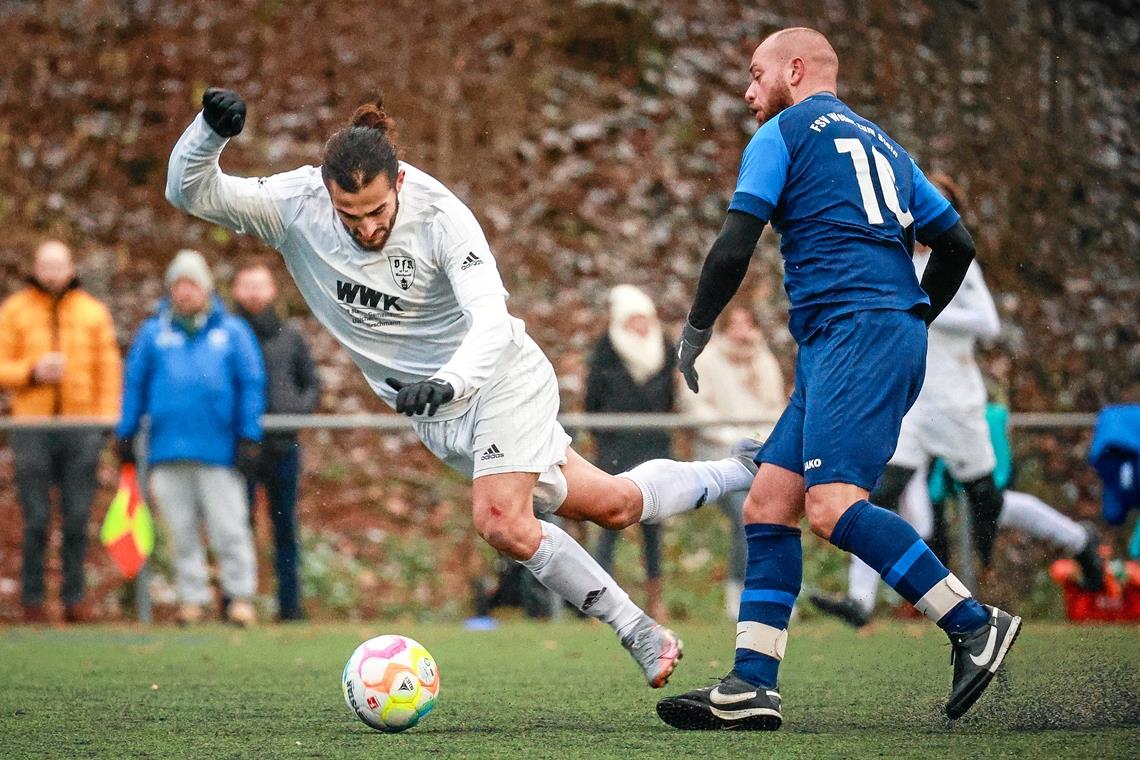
{"type": "Point", "coordinates": [373, 116]}
{"type": "Point", "coordinates": [356, 155]}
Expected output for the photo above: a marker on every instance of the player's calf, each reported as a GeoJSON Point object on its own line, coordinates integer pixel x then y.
{"type": "Point", "coordinates": [621, 508]}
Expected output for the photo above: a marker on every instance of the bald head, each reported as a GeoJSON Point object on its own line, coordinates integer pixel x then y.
{"type": "Point", "coordinates": [809, 45]}
{"type": "Point", "coordinates": [788, 66]}
{"type": "Point", "coordinates": [53, 268]}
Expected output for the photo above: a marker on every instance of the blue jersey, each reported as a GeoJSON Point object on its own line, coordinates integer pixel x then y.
{"type": "Point", "coordinates": [848, 203]}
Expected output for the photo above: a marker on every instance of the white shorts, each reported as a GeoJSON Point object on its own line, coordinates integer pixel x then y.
{"type": "Point", "coordinates": [512, 426]}
{"type": "Point", "coordinates": [959, 437]}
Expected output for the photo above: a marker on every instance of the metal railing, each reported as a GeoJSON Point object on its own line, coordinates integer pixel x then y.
{"type": "Point", "coordinates": [572, 420]}
{"type": "Point", "coordinates": [577, 420]}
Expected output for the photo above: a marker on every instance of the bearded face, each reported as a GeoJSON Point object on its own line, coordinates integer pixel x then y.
{"type": "Point", "coordinates": [369, 213]}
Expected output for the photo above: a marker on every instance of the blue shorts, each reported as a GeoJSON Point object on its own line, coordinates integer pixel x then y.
{"type": "Point", "coordinates": [856, 376]}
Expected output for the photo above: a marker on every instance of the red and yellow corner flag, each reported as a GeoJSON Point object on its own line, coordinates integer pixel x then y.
{"type": "Point", "coordinates": [128, 531]}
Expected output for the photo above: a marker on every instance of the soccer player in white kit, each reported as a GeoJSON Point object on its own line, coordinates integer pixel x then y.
{"type": "Point", "coordinates": [398, 270]}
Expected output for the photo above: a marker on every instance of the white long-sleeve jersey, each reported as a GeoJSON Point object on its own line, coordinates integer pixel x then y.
{"type": "Point", "coordinates": [429, 304]}
{"type": "Point", "coordinates": [952, 375]}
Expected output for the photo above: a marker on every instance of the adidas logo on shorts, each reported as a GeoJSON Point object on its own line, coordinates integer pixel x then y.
{"type": "Point", "coordinates": [471, 261]}
{"type": "Point", "coordinates": [492, 452]}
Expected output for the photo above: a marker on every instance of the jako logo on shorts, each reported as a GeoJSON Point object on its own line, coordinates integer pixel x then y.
{"type": "Point", "coordinates": [811, 464]}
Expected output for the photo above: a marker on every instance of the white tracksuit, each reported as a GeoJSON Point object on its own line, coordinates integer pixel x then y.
{"type": "Point", "coordinates": [948, 420]}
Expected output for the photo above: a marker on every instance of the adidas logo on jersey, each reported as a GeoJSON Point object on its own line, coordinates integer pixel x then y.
{"type": "Point", "coordinates": [492, 452]}
{"type": "Point", "coordinates": [471, 261]}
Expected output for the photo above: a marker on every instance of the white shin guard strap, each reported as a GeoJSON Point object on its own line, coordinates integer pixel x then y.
{"type": "Point", "coordinates": [943, 597]}
{"type": "Point", "coordinates": [762, 638]}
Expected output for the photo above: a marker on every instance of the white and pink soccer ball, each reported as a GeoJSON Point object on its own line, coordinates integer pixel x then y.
{"type": "Point", "coordinates": [390, 683]}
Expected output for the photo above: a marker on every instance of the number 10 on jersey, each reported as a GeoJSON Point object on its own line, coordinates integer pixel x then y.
{"type": "Point", "coordinates": [886, 176]}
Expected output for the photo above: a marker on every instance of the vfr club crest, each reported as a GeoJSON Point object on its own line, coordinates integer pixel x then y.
{"type": "Point", "coordinates": [403, 270]}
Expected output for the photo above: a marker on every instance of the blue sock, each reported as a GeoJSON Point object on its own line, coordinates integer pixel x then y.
{"type": "Point", "coordinates": [771, 585]}
{"type": "Point", "coordinates": [889, 544]}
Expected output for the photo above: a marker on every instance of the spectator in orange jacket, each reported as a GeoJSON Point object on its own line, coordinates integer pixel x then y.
{"type": "Point", "coordinates": [58, 360]}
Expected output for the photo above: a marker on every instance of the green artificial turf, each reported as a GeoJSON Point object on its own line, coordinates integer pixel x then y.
{"type": "Point", "coordinates": [561, 689]}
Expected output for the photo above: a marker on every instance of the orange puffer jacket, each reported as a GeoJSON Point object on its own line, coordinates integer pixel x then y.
{"type": "Point", "coordinates": [33, 323]}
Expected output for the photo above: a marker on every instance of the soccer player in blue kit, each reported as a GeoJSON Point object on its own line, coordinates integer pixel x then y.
{"type": "Point", "coordinates": [848, 203]}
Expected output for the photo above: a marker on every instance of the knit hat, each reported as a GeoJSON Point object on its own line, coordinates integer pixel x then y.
{"type": "Point", "coordinates": [642, 355]}
{"type": "Point", "coordinates": [627, 301]}
{"type": "Point", "coordinates": [191, 265]}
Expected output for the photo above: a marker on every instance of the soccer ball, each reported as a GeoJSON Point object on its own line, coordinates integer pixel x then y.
{"type": "Point", "coordinates": [390, 682]}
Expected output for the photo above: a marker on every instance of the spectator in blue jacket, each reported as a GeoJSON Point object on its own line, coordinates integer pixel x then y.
{"type": "Point", "coordinates": [196, 372]}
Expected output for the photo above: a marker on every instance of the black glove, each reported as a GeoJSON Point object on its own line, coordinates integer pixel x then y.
{"type": "Point", "coordinates": [413, 398]}
{"type": "Point", "coordinates": [125, 448]}
{"type": "Point", "coordinates": [693, 341]}
{"type": "Point", "coordinates": [224, 111]}
{"type": "Point", "coordinates": [248, 458]}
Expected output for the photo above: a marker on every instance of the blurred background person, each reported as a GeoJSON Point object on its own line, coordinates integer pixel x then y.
{"type": "Point", "coordinates": [195, 371]}
{"type": "Point", "coordinates": [740, 377]}
{"type": "Point", "coordinates": [292, 387]}
{"type": "Point", "coordinates": [923, 505]}
{"type": "Point", "coordinates": [948, 422]}
{"type": "Point", "coordinates": [1022, 512]}
{"type": "Point", "coordinates": [631, 370]}
{"type": "Point", "coordinates": [58, 360]}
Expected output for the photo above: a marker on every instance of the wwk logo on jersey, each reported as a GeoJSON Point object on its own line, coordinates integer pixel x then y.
{"type": "Point", "coordinates": [351, 293]}
{"type": "Point", "coordinates": [403, 270]}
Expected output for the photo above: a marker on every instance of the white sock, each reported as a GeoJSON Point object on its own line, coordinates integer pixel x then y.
{"type": "Point", "coordinates": [915, 507]}
{"type": "Point", "coordinates": [568, 570]}
{"type": "Point", "coordinates": [862, 584]}
{"type": "Point", "coordinates": [732, 591]}
{"type": "Point", "coordinates": [1028, 514]}
{"type": "Point", "coordinates": [669, 488]}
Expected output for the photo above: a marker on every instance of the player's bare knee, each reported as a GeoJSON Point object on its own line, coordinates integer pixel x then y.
{"type": "Point", "coordinates": [754, 511]}
{"type": "Point", "coordinates": [622, 508]}
{"type": "Point", "coordinates": [821, 522]}
{"type": "Point", "coordinates": [515, 534]}
{"type": "Point", "coordinates": [823, 514]}
{"type": "Point", "coordinates": [758, 510]}
{"type": "Point", "coordinates": [617, 515]}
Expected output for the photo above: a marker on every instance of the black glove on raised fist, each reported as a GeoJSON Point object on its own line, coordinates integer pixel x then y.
{"type": "Point", "coordinates": [224, 111]}
{"type": "Point", "coordinates": [413, 398]}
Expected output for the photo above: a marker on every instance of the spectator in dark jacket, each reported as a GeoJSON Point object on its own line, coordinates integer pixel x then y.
{"type": "Point", "coordinates": [194, 369]}
{"type": "Point", "coordinates": [293, 388]}
{"type": "Point", "coordinates": [632, 371]}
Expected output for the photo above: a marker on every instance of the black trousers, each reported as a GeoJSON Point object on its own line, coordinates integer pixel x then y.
{"type": "Point", "coordinates": [66, 459]}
